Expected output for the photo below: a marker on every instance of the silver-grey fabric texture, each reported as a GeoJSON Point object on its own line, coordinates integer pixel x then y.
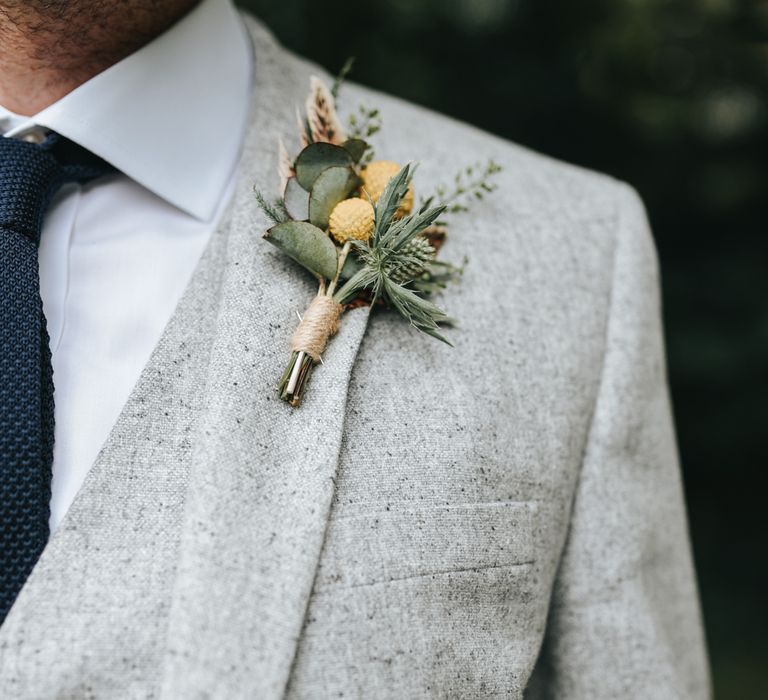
{"type": "Point", "coordinates": [499, 519]}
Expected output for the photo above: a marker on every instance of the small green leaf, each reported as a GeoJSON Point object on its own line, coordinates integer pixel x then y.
{"type": "Point", "coordinates": [356, 148]}
{"type": "Point", "coordinates": [318, 157]}
{"type": "Point", "coordinates": [307, 245]}
{"type": "Point", "coordinates": [296, 200]}
{"type": "Point", "coordinates": [331, 186]}
{"type": "Point", "coordinates": [342, 76]}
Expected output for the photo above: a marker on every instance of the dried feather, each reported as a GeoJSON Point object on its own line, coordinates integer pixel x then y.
{"type": "Point", "coordinates": [323, 122]}
{"type": "Point", "coordinates": [304, 136]}
{"type": "Point", "coordinates": [284, 165]}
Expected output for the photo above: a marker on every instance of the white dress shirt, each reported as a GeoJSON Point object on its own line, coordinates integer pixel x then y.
{"type": "Point", "coordinates": [116, 255]}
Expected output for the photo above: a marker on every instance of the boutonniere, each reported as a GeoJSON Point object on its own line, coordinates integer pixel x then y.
{"type": "Point", "coordinates": [352, 221]}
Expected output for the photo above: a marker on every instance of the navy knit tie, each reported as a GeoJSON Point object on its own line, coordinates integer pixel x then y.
{"type": "Point", "coordinates": [30, 174]}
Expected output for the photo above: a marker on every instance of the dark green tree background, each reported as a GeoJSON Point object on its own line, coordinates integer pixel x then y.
{"type": "Point", "coordinates": [673, 98]}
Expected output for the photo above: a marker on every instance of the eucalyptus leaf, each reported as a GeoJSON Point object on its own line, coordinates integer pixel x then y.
{"type": "Point", "coordinates": [296, 200]}
{"type": "Point", "coordinates": [331, 187]}
{"type": "Point", "coordinates": [356, 148]}
{"type": "Point", "coordinates": [318, 157]}
{"type": "Point", "coordinates": [307, 245]}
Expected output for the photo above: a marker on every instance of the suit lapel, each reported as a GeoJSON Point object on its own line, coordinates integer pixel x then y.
{"type": "Point", "coordinates": [261, 478]}
{"type": "Point", "coordinates": [188, 557]}
{"type": "Point", "coordinates": [260, 492]}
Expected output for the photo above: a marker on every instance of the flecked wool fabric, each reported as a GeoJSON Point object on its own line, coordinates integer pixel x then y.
{"type": "Point", "coordinates": [499, 519]}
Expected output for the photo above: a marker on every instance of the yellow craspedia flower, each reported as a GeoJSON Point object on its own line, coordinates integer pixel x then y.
{"type": "Point", "coordinates": [375, 177]}
{"type": "Point", "coordinates": [352, 218]}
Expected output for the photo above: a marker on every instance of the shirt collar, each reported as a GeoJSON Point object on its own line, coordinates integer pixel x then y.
{"type": "Point", "coordinates": [172, 115]}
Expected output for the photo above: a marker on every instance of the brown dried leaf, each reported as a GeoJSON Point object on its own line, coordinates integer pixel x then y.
{"type": "Point", "coordinates": [436, 235]}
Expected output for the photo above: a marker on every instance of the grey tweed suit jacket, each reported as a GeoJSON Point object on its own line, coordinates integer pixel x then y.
{"type": "Point", "coordinates": [500, 519]}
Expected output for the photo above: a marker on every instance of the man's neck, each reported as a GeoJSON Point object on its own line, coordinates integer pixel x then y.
{"type": "Point", "coordinates": [46, 52]}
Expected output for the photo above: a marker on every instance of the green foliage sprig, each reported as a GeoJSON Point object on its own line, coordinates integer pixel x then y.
{"type": "Point", "coordinates": [436, 276]}
{"type": "Point", "coordinates": [274, 209]}
{"type": "Point", "coordinates": [470, 183]}
{"type": "Point", "coordinates": [361, 124]}
{"type": "Point", "coordinates": [364, 123]}
{"type": "Point", "coordinates": [346, 69]}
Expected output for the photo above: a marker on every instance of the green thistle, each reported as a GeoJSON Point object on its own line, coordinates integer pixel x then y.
{"type": "Point", "coordinates": [394, 253]}
{"type": "Point", "coordinates": [411, 262]}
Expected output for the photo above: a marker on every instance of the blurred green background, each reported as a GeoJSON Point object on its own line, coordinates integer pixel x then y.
{"type": "Point", "coordinates": [673, 98]}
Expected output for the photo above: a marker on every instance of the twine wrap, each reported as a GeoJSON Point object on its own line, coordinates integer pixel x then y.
{"type": "Point", "coordinates": [320, 322]}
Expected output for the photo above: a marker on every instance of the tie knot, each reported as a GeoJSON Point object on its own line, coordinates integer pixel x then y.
{"type": "Point", "coordinates": [30, 174]}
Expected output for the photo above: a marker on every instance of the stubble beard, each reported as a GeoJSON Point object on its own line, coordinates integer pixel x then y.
{"type": "Point", "coordinates": [72, 40]}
